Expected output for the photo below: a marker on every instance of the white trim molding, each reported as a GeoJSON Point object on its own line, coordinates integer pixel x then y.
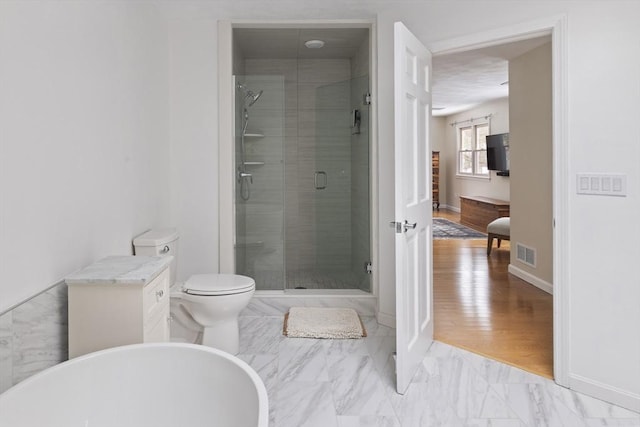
{"type": "Point", "coordinates": [561, 226]}
{"type": "Point", "coordinates": [605, 392]}
{"type": "Point", "coordinates": [386, 319]}
{"type": "Point", "coordinates": [531, 279]}
{"type": "Point", "coordinates": [226, 225]}
{"type": "Point", "coordinates": [514, 33]}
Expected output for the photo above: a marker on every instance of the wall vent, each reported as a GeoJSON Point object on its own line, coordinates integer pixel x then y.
{"type": "Point", "coordinates": [526, 254]}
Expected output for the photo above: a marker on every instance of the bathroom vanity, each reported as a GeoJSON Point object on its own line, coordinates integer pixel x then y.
{"type": "Point", "coordinates": [118, 300]}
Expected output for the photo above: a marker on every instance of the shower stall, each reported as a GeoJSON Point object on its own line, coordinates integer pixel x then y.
{"type": "Point", "coordinates": [302, 179]}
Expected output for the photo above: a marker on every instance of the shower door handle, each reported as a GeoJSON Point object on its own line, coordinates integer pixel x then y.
{"type": "Point", "coordinates": [320, 180]}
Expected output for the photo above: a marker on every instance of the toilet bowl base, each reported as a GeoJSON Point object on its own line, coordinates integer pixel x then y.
{"type": "Point", "coordinates": [224, 336]}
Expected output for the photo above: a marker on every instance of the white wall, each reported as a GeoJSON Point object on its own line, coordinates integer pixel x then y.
{"type": "Point", "coordinates": [84, 145]}
{"type": "Point", "coordinates": [194, 141]}
{"type": "Point", "coordinates": [604, 289]}
{"type": "Point", "coordinates": [497, 187]}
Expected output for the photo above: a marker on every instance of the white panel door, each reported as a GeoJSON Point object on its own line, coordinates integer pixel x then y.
{"type": "Point", "coordinates": [412, 224]}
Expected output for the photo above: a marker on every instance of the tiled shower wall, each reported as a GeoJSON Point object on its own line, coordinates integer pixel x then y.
{"type": "Point", "coordinates": [33, 336]}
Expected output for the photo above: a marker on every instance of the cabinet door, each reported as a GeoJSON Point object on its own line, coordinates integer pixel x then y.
{"type": "Point", "coordinates": [156, 294]}
{"type": "Point", "coordinates": [156, 328]}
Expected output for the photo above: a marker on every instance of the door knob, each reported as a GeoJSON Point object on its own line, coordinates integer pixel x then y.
{"type": "Point", "coordinates": [407, 225]}
{"type": "Point", "coordinates": [403, 226]}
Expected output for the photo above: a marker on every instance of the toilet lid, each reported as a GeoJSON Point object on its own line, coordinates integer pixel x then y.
{"type": "Point", "coordinates": [218, 284]}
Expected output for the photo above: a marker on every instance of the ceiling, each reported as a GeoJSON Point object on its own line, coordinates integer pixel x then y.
{"type": "Point", "coordinates": [288, 43]}
{"type": "Point", "coordinates": [460, 81]}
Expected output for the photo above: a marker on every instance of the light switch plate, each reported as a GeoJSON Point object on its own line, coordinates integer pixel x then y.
{"type": "Point", "coordinates": [602, 184]}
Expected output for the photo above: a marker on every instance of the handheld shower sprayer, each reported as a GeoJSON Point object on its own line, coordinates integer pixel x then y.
{"type": "Point", "coordinates": [250, 95]}
{"type": "Point", "coordinates": [245, 178]}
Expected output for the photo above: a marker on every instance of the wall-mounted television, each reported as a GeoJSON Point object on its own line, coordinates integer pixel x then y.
{"type": "Point", "coordinates": [498, 153]}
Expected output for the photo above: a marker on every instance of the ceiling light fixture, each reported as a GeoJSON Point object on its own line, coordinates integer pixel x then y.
{"type": "Point", "coordinates": [314, 44]}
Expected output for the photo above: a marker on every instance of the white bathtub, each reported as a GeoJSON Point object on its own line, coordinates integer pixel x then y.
{"type": "Point", "coordinates": [164, 384]}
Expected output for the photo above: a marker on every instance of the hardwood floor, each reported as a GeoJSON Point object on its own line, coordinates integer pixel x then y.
{"type": "Point", "coordinates": [482, 308]}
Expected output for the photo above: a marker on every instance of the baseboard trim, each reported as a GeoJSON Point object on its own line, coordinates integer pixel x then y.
{"type": "Point", "coordinates": [450, 208]}
{"type": "Point", "coordinates": [605, 392]}
{"type": "Point", "coordinates": [386, 319]}
{"type": "Point", "coordinates": [531, 279]}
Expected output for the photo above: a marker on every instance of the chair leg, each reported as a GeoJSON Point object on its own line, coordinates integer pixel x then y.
{"type": "Point", "coordinates": [499, 241]}
{"type": "Point", "coordinates": [489, 244]}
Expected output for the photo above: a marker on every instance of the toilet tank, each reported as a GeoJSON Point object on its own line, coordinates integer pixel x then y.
{"type": "Point", "coordinates": [159, 242]}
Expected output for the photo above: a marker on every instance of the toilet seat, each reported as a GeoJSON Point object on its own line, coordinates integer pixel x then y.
{"type": "Point", "coordinates": [218, 284]}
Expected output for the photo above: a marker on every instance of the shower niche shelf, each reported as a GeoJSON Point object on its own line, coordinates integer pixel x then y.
{"type": "Point", "coordinates": [257, 244]}
{"type": "Point", "coordinates": [253, 135]}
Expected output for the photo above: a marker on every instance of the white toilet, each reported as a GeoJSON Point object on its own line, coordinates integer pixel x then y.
{"type": "Point", "coordinates": [213, 300]}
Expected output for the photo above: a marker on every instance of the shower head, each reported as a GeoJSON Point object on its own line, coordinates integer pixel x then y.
{"type": "Point", "coordinates": [251, 96]}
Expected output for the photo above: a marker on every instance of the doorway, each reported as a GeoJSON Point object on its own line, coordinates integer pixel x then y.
{"type": "Point", "coordinates": [558, 172]}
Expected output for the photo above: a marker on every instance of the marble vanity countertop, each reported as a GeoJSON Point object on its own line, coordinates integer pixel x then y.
{"type": "Point", "coordinates": [120, 270]}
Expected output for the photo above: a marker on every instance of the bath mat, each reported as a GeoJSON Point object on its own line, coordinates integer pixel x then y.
{"type": "Point", "coordinates": [322, 322]}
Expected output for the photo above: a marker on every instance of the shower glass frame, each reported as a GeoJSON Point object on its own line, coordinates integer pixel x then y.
{"type": "Point", "coordinates": [259, 180]}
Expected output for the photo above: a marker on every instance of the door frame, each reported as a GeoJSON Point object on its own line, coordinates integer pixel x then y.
{"type": "Point", "coordinates": [226, 224]}
{"type": "Point", "coordinates": [557, 28]}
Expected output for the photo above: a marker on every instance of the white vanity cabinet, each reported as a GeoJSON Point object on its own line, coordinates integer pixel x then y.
{"type": "Point", "coordinates": [117, 301]}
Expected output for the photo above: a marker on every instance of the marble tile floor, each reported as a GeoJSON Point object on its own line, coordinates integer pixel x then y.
{"type": "Point", "coordinates": [350, 383]}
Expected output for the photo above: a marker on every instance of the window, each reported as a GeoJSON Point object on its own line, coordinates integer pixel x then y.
{"type": "Point", "coordinates": [472, 150]}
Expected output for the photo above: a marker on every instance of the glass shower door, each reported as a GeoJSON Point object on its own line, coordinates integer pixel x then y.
{"type": "Point", "coordinates": [341, 186]}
